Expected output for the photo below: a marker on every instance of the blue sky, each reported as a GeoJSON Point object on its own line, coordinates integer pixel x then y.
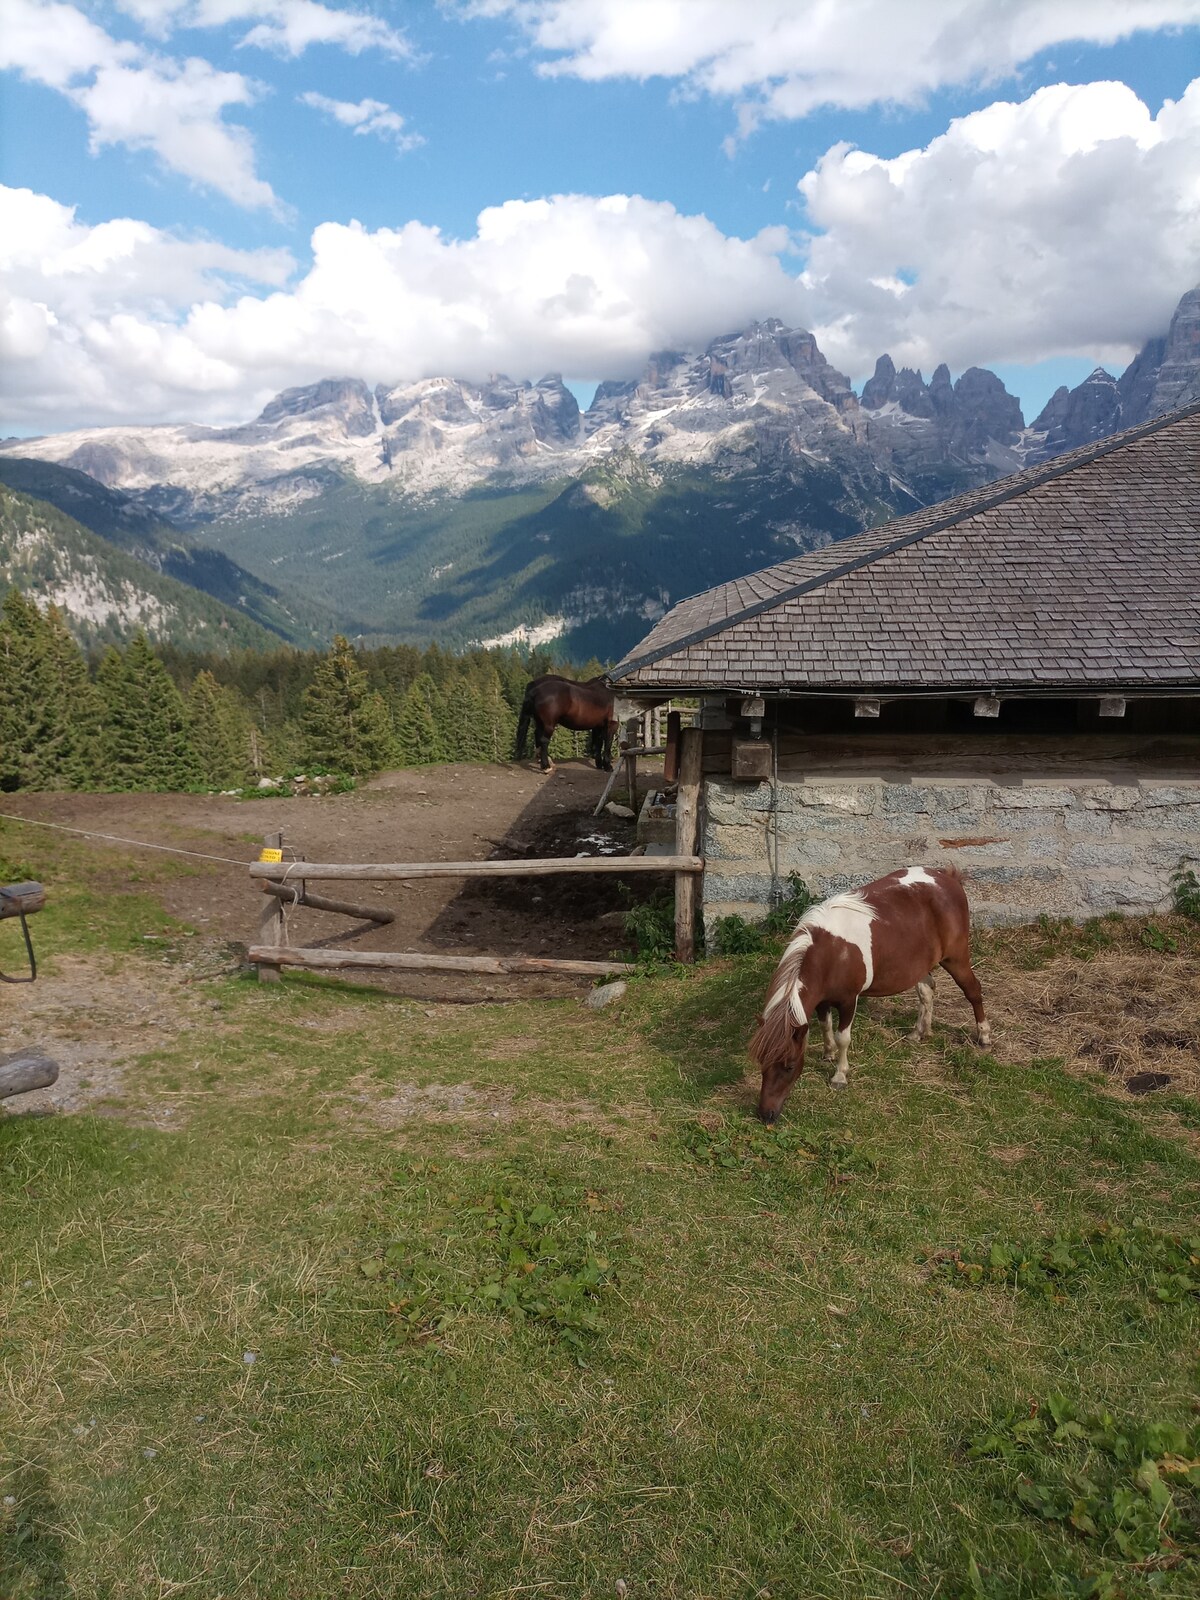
{"type": "Point", "coordinates": [205, 225]}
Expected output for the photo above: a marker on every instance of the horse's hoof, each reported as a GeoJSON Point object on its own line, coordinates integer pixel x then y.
{"type": "Point", "coordinates": [838, 1083]}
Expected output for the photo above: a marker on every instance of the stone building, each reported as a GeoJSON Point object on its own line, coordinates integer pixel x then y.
{"type": "Point", "coordinates": [1009, 680]}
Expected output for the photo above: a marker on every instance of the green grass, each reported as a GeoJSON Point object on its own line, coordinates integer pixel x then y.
{"type": "Point", "coordinates": [534, 1306]}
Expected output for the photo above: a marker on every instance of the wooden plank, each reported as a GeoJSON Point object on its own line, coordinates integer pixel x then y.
{"type": "Point", "coordinates": [22, 1072]}
{"type": "Point", "coordinates": [387, 871]}
{"type": "Point", "coordinates": [272, 924]}
{"type": "Point", "coordinates": [296, 894]}
{"type": "Point", "coordinates": [18, 897]}
{"type": "Point", "coordinates": [414, 961]}
{"type": "Point", "coordinates": [687, 818]}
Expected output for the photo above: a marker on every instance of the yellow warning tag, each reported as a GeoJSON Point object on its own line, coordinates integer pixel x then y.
{"type": "Point", "coordinates": [267, 854]}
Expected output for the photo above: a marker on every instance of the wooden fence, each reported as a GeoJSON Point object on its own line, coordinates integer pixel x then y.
{"type": "Point", "coordinates": [285, 883]}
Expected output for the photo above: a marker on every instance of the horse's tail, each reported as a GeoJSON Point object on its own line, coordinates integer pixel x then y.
{"type": "Point", "coordinates": [783, 1015]}
{"type": "Point", "coordinates": [523, 722]}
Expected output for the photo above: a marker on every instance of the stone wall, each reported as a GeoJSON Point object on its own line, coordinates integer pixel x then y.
{"type": "Point", "coordinates": [1069, 849]}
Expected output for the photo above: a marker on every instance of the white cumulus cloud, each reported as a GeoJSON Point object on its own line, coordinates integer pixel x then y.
{"type": "Point", "coordinates": [287, 27]}
{"type": "Point", "coordinates": [570, 283]}
{"type": "Point", "coordinates": [137, 98]}
{"type": "Point", "coordinates": [784, 58]}
{"type": "Point", "coordinates": [1064, 224]}
{"type": "Point", "coordinates": [365, 116]}
{"type": "Point", "coordinates": [1067, 223]}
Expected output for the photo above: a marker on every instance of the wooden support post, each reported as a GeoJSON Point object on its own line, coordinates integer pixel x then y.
{"type": "Point", "coordinates": [629, 743]}
{"type": "Point", "coordinates": [671, 757]}
{"type": "Point", "coordinates": [272, 925]}
{"type": "Point", "coordinates": [687, 817]}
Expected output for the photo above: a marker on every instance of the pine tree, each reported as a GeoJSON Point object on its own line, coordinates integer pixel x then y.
{"type": "Point", "coordinates": [145, 742]}
{"type": "Point", "coordinates": [462, 735]}
{"type": "Point", "coordinates": [219, 729]}
{"type": "Point", "coordinates": [418, 727]}
{"type": "Point", "coordinates": [78, 746]}
{"type": "Point", "coordinates": [497, 724]}
{"type": "Point", "coordinates": [27, 713]}
{"type": "Point", "coordinates": [345, 726]}
{"type": "Point", "coordinates": [49, 712]}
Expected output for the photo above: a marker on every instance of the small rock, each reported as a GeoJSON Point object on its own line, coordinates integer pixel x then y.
{"type": "Point", "coordinates": [605, 995]}
{"type": "Point", "coordinates": [249, 1357]}
{"type": "Point", "coordinates": [622, 1588]}
{"type": "Point", "coordinates": [618, 810]}
{"type": "Point", "coordinates": [149, 1454]}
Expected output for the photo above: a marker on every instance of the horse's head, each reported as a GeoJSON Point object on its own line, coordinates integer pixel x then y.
{"type": "Point", "coordinates": [780, 1070]}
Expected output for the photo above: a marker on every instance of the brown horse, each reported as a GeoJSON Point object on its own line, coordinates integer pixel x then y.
{"type": "Point", "coordinates": [882, 939]}
{"type": "Point", "coordinates": [552, 702]}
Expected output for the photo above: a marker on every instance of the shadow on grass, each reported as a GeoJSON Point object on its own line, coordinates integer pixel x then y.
{"type": "Point", "coordinates": [32, 1558]}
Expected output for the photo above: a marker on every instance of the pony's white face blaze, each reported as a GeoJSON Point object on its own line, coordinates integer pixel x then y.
{"type": "Point", "coordinates": [916, 875]}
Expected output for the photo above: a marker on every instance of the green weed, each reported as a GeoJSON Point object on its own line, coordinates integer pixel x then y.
{"type": "Point", "coordinates": [1166, 1265]}
{"type": "Point", "coordinates": [734, 936]}
{"type": "Point", "coordinates": [1185, 893]}
{"type": "Point", "coordinates": [749, 1149]}
{"type": "Point", "coordinates": [651, 927]}
{"type": "Point", "coordinates": [1129, 1489]}
{"type": "Point", "coordinates": [532, 1263]}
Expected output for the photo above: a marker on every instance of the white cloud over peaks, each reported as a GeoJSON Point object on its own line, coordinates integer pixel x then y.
{"type": "Point", "coordinates": [365, 116]}
{"type": "Point", "coordinates": [570, 283]}
{"type": "Point", "coordinates": [133, 97]}
{"type": "Point", "coordinates": [787, 57]}
{"type": "Point", "coordinates": [1067, 223]}
{"type": "Point", "coordinates": [88, 313]}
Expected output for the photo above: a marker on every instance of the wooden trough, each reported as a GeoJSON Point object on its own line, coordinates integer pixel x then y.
{"type": "Point", "coordinates": [286, 884]}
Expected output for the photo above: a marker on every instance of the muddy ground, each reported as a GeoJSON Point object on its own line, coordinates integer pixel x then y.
{"type": "Point", "coordinates": [446, 813]}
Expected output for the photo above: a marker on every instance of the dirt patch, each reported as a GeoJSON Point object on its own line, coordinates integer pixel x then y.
{"type": "Point", "coordinates": [445, 813]}
{"type": "Point", "coordinates": [95, 1022]}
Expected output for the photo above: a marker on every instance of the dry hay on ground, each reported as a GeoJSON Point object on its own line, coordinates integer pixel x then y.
{"type": "Point", "coordinates": [1127, 1010]}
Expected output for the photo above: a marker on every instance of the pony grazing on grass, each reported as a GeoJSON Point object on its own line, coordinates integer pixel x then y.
{"type": "Point", "coordinates": [882, 939]}
{"type": "Point", "coordinates": [551, 702]}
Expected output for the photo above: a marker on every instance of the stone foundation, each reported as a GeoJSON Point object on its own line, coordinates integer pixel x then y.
{"type": "Point", "coordinates": [1067, 849]}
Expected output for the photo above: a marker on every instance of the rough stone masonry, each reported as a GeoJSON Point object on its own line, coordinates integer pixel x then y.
{"type": "Point", "coordinates": [1067, 849]}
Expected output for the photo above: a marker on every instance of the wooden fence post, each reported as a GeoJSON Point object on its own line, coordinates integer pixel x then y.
{"type": "Point", "coordinates": [687, 816]}
{"type": "Point", "coordinates": [272, 925]}
{"type": "Point", "coordinates": [631, 743]}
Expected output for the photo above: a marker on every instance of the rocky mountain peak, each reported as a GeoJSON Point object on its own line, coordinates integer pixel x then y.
{"type": "Point", "coordinates": [347, 399]}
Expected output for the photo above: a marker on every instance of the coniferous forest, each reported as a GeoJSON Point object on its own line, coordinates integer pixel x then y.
{"type": "Point", "coordinates": [159, 717]}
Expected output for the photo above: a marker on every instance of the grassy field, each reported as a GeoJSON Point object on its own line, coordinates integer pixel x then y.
{"type": "Point", "coordinates": [425, 1300]}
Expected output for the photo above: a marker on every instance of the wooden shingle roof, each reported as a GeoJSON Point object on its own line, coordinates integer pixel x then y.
{"type": "Point", "coordinates": [1081, 572]}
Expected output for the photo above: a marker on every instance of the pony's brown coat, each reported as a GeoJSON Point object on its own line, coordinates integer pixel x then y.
{"type": "Point", "coordinates": [879, 940]}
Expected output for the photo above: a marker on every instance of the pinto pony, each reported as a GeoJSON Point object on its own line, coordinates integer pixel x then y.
{"type": "Point", "coordinates": [551, 702]}
{"type": "Point", "coordinates": [882, 939]}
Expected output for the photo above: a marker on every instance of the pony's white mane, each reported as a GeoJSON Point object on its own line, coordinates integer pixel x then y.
{"type": "Point", "coordinates": [848, 916]}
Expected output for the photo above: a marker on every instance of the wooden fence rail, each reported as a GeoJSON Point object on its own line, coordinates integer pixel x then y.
{"type": "Point", "coordinates": [390, 871]}
{"type": "Point", "coordinates": [284, 884]}
{"type": "Point", "coordinates": [414, 961]}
